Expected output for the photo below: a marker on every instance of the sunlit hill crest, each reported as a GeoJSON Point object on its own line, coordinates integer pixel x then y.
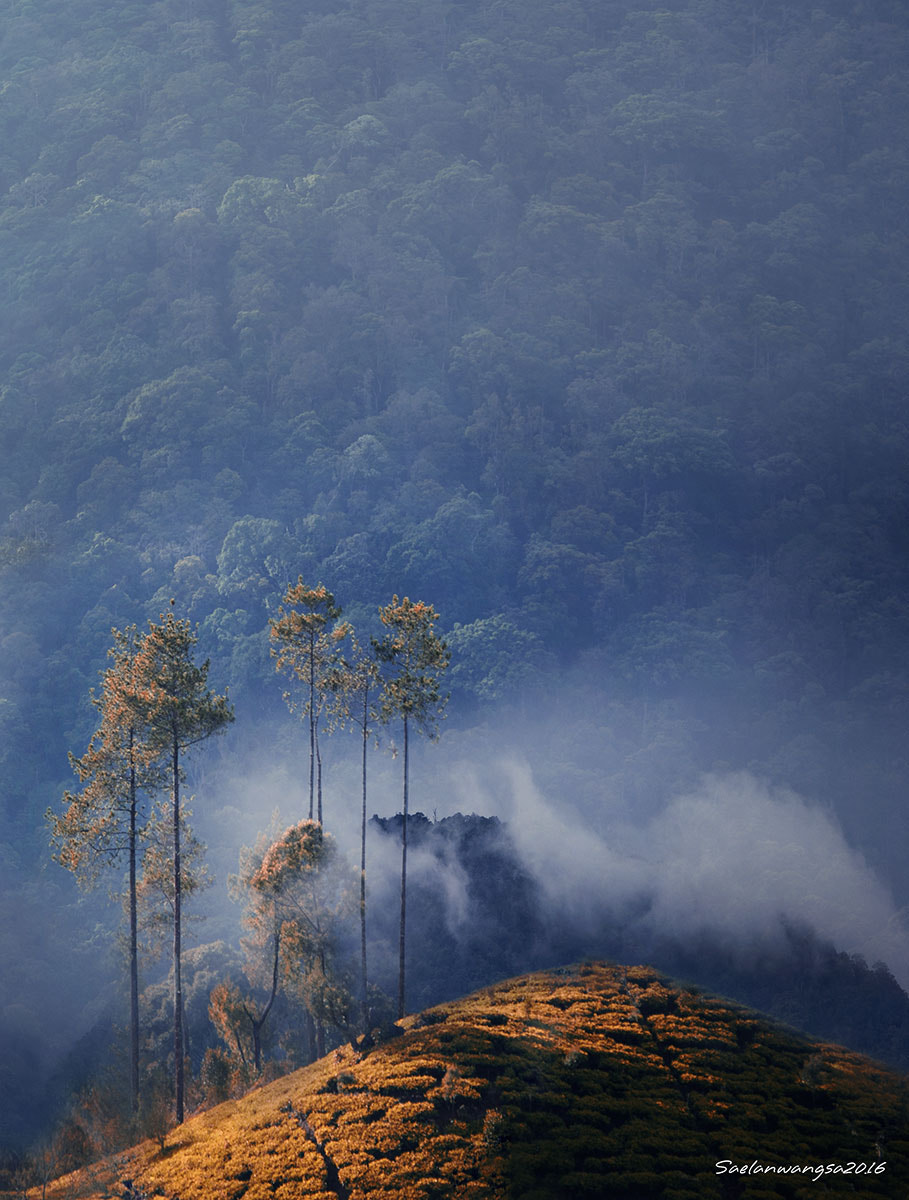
{"type": "Point", "coordinates": [591, 1081]}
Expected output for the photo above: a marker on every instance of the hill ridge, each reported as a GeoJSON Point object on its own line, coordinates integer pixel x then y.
{"type": "Point", "coordinates": [586, 1081]}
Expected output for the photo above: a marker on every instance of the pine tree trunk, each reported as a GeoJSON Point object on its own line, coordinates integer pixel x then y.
{"type": "Point", "coordinates": [312, 728]}
{"type": "Point", "coordinates": [258, 1022]}
{"type": "Point", "coordinates": [402, 934]}
{"type": "Point", "coordinates": [133, 941]}
{"type": "Point", "coordinates": [257, 1045]}
{"type": "Point", "coordinates": [310, 1035]}
{"type": "Point", "coordinates": [319, 779]}
{"type": "Point", "coordinates": [364, 1004]}
{"type": "Point", "coordinates": [178, 983]}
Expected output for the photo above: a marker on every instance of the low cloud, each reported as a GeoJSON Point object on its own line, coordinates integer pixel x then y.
{"type": "Point", "coordinates": [733, 857]}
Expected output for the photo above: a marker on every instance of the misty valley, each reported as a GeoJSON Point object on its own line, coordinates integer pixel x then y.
{"type": "Point", "coordinates": [454, 559]}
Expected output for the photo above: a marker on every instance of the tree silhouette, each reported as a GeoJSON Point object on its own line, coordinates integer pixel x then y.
{"type": "Point", "coordinates": [412, 658]}
{"type": "Point", "coordinates": [100, 824]}
{"type": "Point", "coordinates": [181, 711]}
{"type": "Point", "coordinates": [307, 649]}
{"type": "Point", "coordinates": [355, 686]}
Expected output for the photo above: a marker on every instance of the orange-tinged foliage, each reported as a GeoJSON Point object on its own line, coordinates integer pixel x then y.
{"type": "Point", "coordinates": [413, 658]}
{"type": "Point", "coordinates": [533, 1089]}
{"type": "Point", "coordinates": [302, 633]}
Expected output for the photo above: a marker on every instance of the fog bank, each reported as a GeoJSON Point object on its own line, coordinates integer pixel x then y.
{"type": "Point", "coordinates": [734, 858]}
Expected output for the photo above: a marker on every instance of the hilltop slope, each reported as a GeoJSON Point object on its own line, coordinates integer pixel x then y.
{"type": "Point", "coordinates": [592, 1081]}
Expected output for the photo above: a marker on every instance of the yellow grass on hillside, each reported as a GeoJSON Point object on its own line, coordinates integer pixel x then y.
{"type": "Point", "coordinates": [590, 1082]}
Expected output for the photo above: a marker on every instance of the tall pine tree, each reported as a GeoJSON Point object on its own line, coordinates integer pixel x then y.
{"type": "Point", "coordinates": [412, 658]}
{"type": "Point", "coordinates": [100, 824]}
{"type": "Point", "coordinates": [181, 711]}
{"type": "Point", "coordinates": [355, 688]}
{"type": "Point", "coordinates": [306, 648]}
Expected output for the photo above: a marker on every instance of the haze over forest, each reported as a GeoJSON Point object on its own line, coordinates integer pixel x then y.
{"type": "Point", "coordinates": [583, 321]}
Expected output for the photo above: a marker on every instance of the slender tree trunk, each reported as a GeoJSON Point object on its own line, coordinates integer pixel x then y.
{"type": "Point", "coordinates": [185, 1026]}
{"type": "Point", "coordinates": [312, 727]}
{"type": "Point", "coordinates": [178, 983]}
{"type": "Point", "coordinates": [320, 1024]}
{"type": "Point", "coordinates": [258, 1022]}
{"type": "Point", "coordinates": [240, 1051]}
{"type": "Point", "coordinates": [133, 940]}
{"type": "Point", "coordinates": [319, 779]}
{"type": "Point", "coordinates": [310, 1035]}
{"type": "Point", "coordinates": [402, 935]}
{"type": "Point", "coordinates": [257, 1044]}
{"type": "Point", "coordinates": [364, 1004]}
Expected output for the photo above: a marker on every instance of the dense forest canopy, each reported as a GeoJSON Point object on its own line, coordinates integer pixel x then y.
{"type": "Point", "coordinates": [584, 321]}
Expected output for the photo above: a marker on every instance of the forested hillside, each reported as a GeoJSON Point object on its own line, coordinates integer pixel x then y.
{"type": "Point", "coordinates": [582, 320]}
